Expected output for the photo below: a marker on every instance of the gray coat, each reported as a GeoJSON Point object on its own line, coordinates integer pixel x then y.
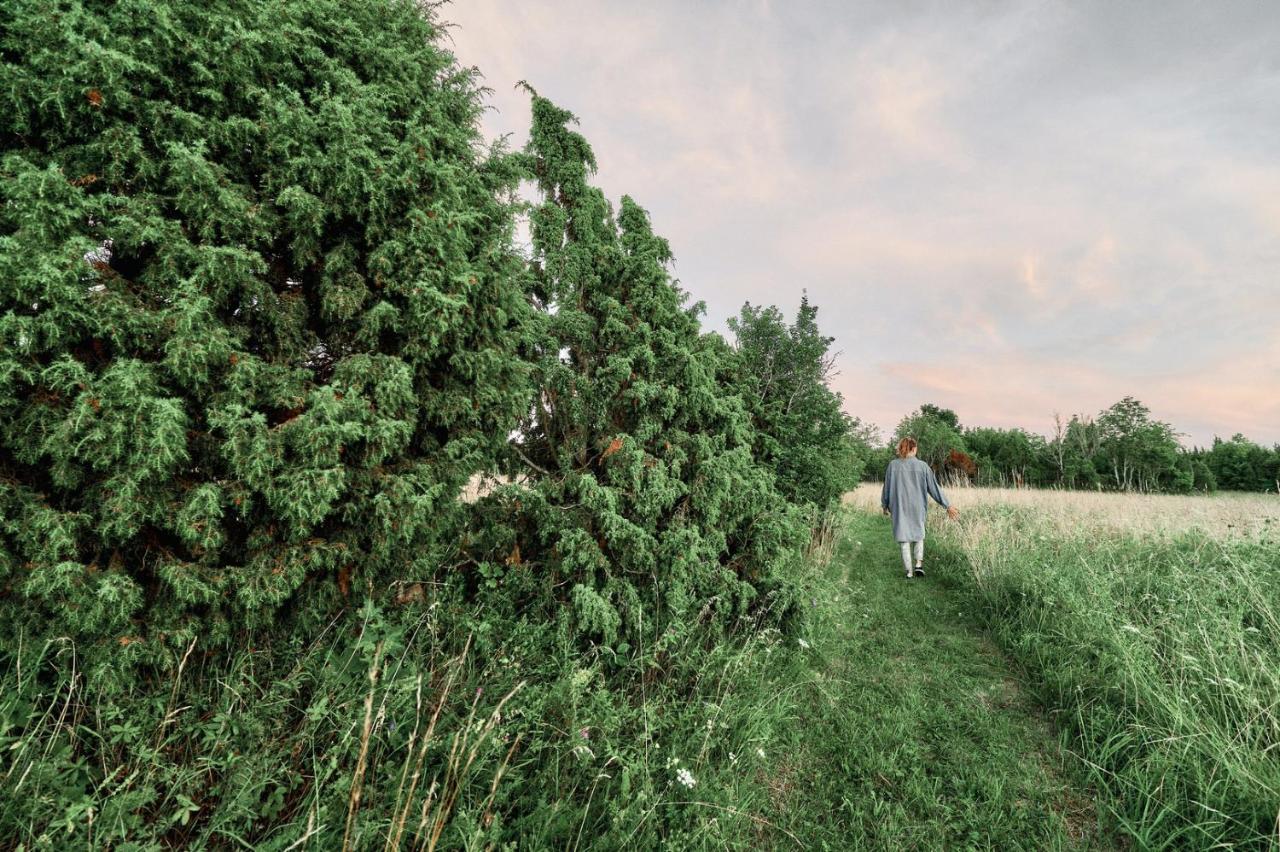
{"type": "Point", "coordinates": [908, 485]}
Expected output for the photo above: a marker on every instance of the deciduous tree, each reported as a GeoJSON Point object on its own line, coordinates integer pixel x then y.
{"type": "Point", "coordinates": [815, 449]}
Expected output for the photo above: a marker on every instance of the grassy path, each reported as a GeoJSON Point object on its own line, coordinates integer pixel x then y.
{"type": "Point", "coordinates": [913, 733]}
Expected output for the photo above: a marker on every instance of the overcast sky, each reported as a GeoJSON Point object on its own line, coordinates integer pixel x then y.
{"type": "Point", "coordinates": [1008, 209]}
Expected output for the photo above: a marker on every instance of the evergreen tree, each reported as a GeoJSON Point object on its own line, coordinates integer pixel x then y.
{"type": "Point", "coordinates": [258, 312]}
{"type": "Point", "coordinates": [638, 497]}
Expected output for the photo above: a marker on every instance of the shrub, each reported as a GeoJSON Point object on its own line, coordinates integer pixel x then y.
{"type": "Point", "coordinates": [259, 313]}
{"type": "Point", "coordinates": [640, 503]}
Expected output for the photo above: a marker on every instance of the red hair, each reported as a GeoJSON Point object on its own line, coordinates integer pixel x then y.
{"type": "Point", "coordinates": [905, 446]}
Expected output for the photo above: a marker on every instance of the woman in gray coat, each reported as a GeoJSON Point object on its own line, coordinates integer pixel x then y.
{"type": "Point", "coordinates": [908, 485]}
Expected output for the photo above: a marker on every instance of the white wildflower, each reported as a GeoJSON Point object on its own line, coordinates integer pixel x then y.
{"type": "Point", "coordinates": [686, 778]}
{"type": "Point", "coordinates": [803, 644]}
{"type": "Point", "coordinates": [760, 752]}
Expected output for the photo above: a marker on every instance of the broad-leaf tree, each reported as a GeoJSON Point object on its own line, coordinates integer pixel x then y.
{"type": "Point", "coordinates": [1135, 448]}
{"type": "Point", "coordinates": [816, 450]}
{"type": "Point", "coordinates": [937, 432]}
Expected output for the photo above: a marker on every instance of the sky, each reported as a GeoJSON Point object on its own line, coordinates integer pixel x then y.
{"type": "Point", "coordinates": [1007, 209]}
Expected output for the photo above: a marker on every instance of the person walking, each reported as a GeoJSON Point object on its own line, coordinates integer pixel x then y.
{"type": "Point", "coordinates": [908, 485]}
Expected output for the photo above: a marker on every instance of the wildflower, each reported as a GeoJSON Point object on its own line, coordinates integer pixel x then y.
{"type": "Point", "coordinates": [803, 644]}
{"type": "Point", "coordinates": [686, 778]}
{"type": "Point", "coordinates": [585, 733]}
{"type": "Point", "coordinates": [760, 752]}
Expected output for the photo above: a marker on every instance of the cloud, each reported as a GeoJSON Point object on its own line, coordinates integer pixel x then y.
{"type": "Point", "coordinates": [1031, 276]}
{"type": "Point", "coordinates": [1019, 208]}
{"type": "Point", "coordinates": [1027, 392]}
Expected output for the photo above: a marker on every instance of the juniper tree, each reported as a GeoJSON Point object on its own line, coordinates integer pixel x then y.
{"type": "Point", "coordinates": [643, 503]}
{"type": "Point", "coordinates": [258, 311]}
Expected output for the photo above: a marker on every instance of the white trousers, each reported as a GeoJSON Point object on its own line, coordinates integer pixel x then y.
{"type": "Point", "coordinates": [907, 548]}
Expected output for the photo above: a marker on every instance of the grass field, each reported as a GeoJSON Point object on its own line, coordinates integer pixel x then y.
{"type": "Point", "coordinates": [1076, 672]}
{"type": "Point", "coordinates": [1149, 626]}
{"type": "Point", "coordinates": [906, 728]}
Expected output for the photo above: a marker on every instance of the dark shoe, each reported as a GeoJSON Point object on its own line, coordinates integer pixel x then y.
{"type": "Point", "coordinates": [919, 572]}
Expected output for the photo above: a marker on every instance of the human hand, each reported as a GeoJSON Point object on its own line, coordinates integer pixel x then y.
{"type": "Point", "coordinates": [953, 512]}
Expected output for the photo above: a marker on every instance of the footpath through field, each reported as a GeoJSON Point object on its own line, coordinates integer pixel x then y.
{"type": "Point", "coordinates": [914, 733]}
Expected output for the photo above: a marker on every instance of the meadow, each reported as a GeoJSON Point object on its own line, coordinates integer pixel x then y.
{"type": "Point", "coordinates": [1149, 626]}
{"type": "Point", "coordinates": [335, 515]}
{"type": "Point", "coordinates": [1078, 671]}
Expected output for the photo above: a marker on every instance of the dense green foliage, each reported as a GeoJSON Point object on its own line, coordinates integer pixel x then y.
{"type": "Point", "coordinates": [240, 362]}
{"type": "Point", "coordinates": [329, 518]}
{"type": "Point", "coordinates": [816, 450]}
{"type": "Point", "coordinates": [1122, 449]}
{"type": "Point", "coordinates": [262, 321]}
{"type": "Point", "coordinates": [1241, 465]}
{"type": "Point", "coordinates": [937, 432]}
{"type": "Point", "coordinates": [639, 493]}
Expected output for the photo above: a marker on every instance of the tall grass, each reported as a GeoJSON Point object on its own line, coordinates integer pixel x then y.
{"type": "Point", "coordinates": [394, 729]}
{"type": "Point", "coordinates": [1151, 627]}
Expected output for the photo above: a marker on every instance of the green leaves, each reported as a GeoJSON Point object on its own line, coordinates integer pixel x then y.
{"type": "Point", "coordinates": [803, 434]}
{"type": "Point", "coordinates": [262, 321]}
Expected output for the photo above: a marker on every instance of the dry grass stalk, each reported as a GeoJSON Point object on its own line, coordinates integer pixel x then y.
{"type": "Point", "coordinates": [357, 781]}
{"type": "Point", "coordinates": [1068, 513]}
{"type": "Point", "coordinates": [393, 842]}
{"type": "Point", "coordinates": [457, 773]}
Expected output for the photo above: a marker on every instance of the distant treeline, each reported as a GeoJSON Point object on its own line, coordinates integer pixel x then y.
{"type": "Point", "coordinates": [1122, 448]}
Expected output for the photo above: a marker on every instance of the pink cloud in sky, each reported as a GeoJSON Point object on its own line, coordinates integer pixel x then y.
{"type": "Point", "coordinates": [1008, 209]}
